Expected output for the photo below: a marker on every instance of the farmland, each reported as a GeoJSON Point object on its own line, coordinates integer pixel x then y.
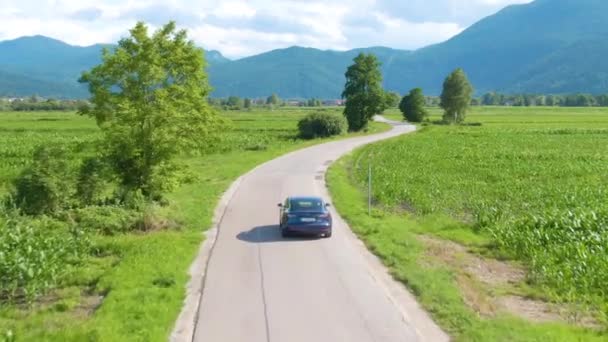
{"type": "Point", "coordinates": [22, 132]}
{"type": "Point", "coordinates": [112, 284]}
{"type": "Point", "coordinates": [522, 184]}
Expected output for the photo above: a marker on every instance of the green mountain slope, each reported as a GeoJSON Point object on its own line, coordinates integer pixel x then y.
{"type": "Point", "coordinates": [49, 67]}
{"type": "Point", "coordinates": [499, 51]}
{"type": "Point", "coordinates": [19, 85]}
{"type": "Point", "coordinates": [533, 48]}
{"type": "Point", "coordinates": [582, 65]}
{"type": "Point", "coordinates": [547, 46]}
{"type": "Point", "coordinates": [44, 66]}
{"type": "Point", "coordinates": [292, 72]}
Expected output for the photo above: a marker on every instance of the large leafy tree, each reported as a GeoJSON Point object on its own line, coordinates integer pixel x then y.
{"type": "Point", "coordinates": [456, 96]}
{"type": "Point", "coordinates": [412, 106]}
{"type": "Point", "coordinates": [363, 91]}
{"type": "Point", "coordinates": [149, 96]}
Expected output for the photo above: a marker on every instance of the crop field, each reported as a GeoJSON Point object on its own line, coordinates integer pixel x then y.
{"type": "Point", "coordinates": [498, 226]}
{"type": "Point", "coordinates": [534, 180]}
{"type": "Point", "coordinates": [22, 132]}
{"type": "Point", "coordinates": [110, 283]}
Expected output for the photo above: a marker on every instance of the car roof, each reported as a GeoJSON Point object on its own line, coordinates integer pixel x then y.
{"type": "Point", "coordinates": [305, 198]}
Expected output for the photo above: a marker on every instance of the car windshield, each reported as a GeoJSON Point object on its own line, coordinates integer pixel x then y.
{"type": "Point", "coordinates": [307, 204]}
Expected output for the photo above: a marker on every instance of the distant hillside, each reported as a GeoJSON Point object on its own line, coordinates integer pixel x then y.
{"type": "Point", "coordinates": [581, 65]}
{"type": "Point", "coordinates": [49, 67]}
{"type": "Point", "coordinates": [293, 72]}
{"type": "Point", "coordinates": [506, 50]}
{"type": "Point", "coordinates": [15, 85]}
{"type": "Point", "coordinates": [547, 46]}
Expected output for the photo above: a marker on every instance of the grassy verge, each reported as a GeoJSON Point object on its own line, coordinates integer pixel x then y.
{"type": "Point", "coordinates": [395, 238]}
{"type": "Point", "coordinates": [133, 287]}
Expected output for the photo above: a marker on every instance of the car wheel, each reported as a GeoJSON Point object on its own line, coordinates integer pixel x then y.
{"type": "Point", "coordinates": [284, 233]}
{"type": "Point", "coordinates": [328, 235]}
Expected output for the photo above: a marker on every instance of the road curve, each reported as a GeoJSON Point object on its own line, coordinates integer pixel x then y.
{"type": "Point", "coordinates": [261, 287]}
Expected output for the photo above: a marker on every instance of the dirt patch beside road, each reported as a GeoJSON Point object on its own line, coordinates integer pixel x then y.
{"type": "Point", "coordinates": [489, 286]}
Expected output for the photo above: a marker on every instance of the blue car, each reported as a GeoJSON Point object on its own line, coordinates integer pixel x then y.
{"type": "Point", "coordinates": [305, 216]}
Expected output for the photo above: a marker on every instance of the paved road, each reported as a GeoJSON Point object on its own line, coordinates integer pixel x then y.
{"type": "Point", "coordinates": [261, 287]}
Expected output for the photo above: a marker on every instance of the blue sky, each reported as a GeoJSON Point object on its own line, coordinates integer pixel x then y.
{"type": "Point", "coordinates": [240, 28]}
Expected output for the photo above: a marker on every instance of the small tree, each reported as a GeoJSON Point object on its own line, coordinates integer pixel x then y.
{"type": "Point", "coordinates": [149, 96]}
{"type": "Point", "coordinates": [456, 96]}
{"type": "Point", "coordinates": [313, 102]}
{"type": "Point", "coordinates": [392, 99]}
{"type": "Point", "coordinates": [363, 91]}
{"type": "Point", "coordinates": [273, 100]}
{"type": "Point", "coordinates": [234, 102]}
{"type": "Point", "coordinates": [247, 103]}
{"type": "Point", "coordinates": [91, 181]}
{"type": "Point", "coordinates": [412, 106]}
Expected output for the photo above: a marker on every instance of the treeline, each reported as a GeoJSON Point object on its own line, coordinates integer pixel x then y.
{"type": "Point", "coordinates": [238, 103]}
{"type": "Point", "coordinates": [571, 100]}
{"type": "Point", "coordinates": [529, 100]}
{"type": "Point", "coordinates": [37, 104]}
{"type": "Point", "coordinates": [234, 103]}
{"type": "Point", "coordinates": [392, 100]}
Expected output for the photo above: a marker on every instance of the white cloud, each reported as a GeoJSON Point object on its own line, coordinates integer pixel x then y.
{"type": "Point", "coordinates": [463, 12]}
{"type": "Point", "coordinates": [235, 9]}
{"type": "Point", "coordinates": [240, 28]}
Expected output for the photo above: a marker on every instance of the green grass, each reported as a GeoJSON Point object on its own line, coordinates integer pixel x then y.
{"type": "Point", "coordinates": [524, 185]}
{"type": "Point", "coordinates": [142, 276]}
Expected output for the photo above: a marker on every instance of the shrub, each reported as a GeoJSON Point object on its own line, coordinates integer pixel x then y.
{"type": "Point", "coordinates": [320, 125]}
{"type": "Point", "coordinates": [153, 218]}
{"type": "Point", "coordinates": [112, 220]}
{"type": "Point", "coordinates": [45, 186]}
{"type": "Point", "coordinates": [35, 254]}
{"type": "Point", "coordinates": [133, 199]}
{"type": "Point", "coordinates": [91, 181]}
{"type": "Point", "coordinates": [107, 220]}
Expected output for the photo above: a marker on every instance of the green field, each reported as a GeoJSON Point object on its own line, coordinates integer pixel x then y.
{"type": "Point", "coordinates": [522, 184]}
{"type": "Point", "coordinates": [131, 285]}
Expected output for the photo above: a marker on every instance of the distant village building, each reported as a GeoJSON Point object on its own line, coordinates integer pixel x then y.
{"type": "Point", "coordinates": [338, 102]}
{"type": "Point", "coordinates": [294, 103]}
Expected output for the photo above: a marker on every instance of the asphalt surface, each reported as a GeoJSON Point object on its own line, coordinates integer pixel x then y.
{"type": "Point", "coordinates": [262, 287]}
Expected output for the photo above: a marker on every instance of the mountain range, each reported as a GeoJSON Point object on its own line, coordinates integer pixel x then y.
{"type": "Point", "coordinates": [546, 46]}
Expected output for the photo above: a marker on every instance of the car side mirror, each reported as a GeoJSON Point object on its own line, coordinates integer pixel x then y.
{"type": "Point", "coordinates": [327, 205]}
{"type": "Point", "coordinates": [280, 205]}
